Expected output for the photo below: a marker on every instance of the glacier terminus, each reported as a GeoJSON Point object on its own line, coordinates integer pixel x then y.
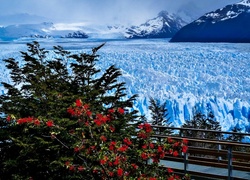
{"type": "Point", "coordinates": [207, 76]}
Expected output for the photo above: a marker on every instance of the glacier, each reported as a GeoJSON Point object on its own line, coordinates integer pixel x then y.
{"type": "Point", "coordinates": [208, 76]}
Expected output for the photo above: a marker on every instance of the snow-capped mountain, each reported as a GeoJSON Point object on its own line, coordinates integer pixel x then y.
{"type": "Point", "coordinates": [41, 30]}
{"type": "Point", "coordinates": [228, 24]}
{"type": "Point", "coordinates": [165, 25]}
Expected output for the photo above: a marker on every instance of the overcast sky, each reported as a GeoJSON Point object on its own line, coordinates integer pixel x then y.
{"type": "Point", "coordinates": [102, 11]}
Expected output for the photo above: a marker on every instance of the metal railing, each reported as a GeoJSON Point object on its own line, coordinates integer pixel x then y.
{"type": "Point", "coordinates": [227, 154]}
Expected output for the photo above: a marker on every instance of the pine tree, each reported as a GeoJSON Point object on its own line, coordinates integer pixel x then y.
{"type": "Point", "coordinates": [159, 115]}
{"type": "Point", "coordinates": [201, 121]}
{"type": "Point", "coordinates": [235, 137]}
{"type": "Point", "coordinates": [44, 88]}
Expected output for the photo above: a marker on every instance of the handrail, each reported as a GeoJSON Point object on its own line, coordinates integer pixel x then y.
{"type": "Point", "coordinates": [220, 142]}
{"type": "Point", "coordinates": [203, 130]}
{"type": "Point", "coordinates": [229, 144]}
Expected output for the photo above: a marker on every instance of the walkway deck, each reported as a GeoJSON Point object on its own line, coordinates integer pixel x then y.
{"type": "Point", "coordinates": [205, 169]}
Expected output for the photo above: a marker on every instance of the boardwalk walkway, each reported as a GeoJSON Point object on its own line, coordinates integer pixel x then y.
{"type": "Point", "coordinates": [207, 170]}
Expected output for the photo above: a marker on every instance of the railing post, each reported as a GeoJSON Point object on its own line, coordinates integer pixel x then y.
{"type": "Point", "coordinates": [185, 162]}
{"type": "Point", "coordinates": [219, 145]}
{"type": "Point", "coordinates": [181, 133]}
{"type": "Point", "coordinates": [230, 164]}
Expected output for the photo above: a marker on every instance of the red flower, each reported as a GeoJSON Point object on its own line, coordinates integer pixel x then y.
{"type": "Point", "coordinates": [95, 171]}
{"type": "Point", "coordinates": [85, 107]}
{"type": "Point", "coordinates": [144, 156]}
{"type": "Point", "coordinates": [170, 170]}
{"type": "Point", "coordinates": [111, 174]}
{"type": "Point", "coordinates": [76, 149]}
{"type": "Point", "coordinates": [8, 118]}
{"type": "Point", "coordinates": [185, 141]}
{"type": "Point", "coordinates": [147, 127]}
{"type": "Point", "coordinates": [152, 178]}
{"type": "Point", "coordinates": [175, 153]}
{"type": "Point", "coordinates": [170, 140]}
{"type": "Point", "coordinates": [71, 111]}
{"type": "Point", "coordinates": [119, 171]}
{"type": "Point", "coordinates": [112, 145]}
{"type": "Point", "coordinates": [29, 119]}
{"type": "Point", "coordinates": [88, 113]}
{"type": "Point", "coordinates": [71, 168]}
{"type": "Point", "coordinates": [111, 111]}
{"type": "Point", "coordinates": [78, 103]}
{"type": "Point", "coordinates": [160, 149]}
{"type": "Point", "coordinates": [151, 145]}
{"type": "Point", "coordinates": [121, 110]}
{"type": "Point", "coordinates": [127, 141]}
{"type": "Point", "coordinates": [144, 146]}
{"type": "Point", "coordinates": [97, 122]}
{"type": "Point", "coordinates": [103, 161]}
{"type": "Point", "coordinates": [117, 161]}
{"type": "Point", "coordinates": [134, 166]}
{"type": "Point", "coordinates": [142, 135]}
{"type": "Point", "coordinates": [49, 123]}
{"type": "Point", "coordinates": [112, 129]}
{"type": "Point", "coordinates": [103, 138]}
{"type": "Point", "coordinates": [176, 144]}
{"type": "Point", "coordinates": [22, 121]}
{"type": "Point", "coordinates": [80, 168]}
{"type": "Point", "coordinates": [37, 122]}
{"type": "Point", "coordinates": [184, 149]}
{"type": "Point", "coordinates": [123, 148]}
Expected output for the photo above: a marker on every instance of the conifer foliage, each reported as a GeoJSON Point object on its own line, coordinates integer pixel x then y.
{"type": "Point", "coordinates": [66, 119]}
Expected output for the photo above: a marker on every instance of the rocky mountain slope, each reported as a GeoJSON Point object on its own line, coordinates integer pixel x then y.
{"type": "Point", "coordinates": [228, 24]}
{"type": "Point", "coordinates": [165, 25]}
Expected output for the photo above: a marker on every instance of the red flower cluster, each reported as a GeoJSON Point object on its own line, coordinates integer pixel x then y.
{"type": "Point", "coordinates": [127, 141]}
{"type": "Point", "coordinates": [79, 109]}
{"type": "Point", "coordinates": [30, 120]}
{"type": "Point", "coordinates": [101, 119]}
{"type": "Point", "coordinates": [111, 153]}
{"type": "Point", "coordinates": [147, 127]}
{"type": "Point", "coordinates": [49, 123]}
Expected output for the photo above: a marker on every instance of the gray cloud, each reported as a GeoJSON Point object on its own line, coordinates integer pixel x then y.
{"type": "Point", "coordinates": [103, 11]}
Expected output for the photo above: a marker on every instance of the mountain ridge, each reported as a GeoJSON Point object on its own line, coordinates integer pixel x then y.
{"type": "Point", "coordinates": [227, 24]}
{"type": "Point", "coordinates": [165, 25]}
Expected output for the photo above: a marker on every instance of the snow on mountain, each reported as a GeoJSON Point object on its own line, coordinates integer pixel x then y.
{"type": "Point", "coordinates": [41, 30]}
{"type": "Point", "coordinates": [228, 24]}
{"type": "Point", "coordinates": [165, 25]}
{"type": "Point", "coordinates": [24, 30]}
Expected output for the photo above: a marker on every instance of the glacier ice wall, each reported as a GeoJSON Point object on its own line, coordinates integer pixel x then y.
{"type": "Point", "coordinates": [207, 76]}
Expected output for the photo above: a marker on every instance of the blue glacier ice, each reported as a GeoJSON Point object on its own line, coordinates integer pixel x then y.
{"type": "Point", "coordinates": [209, 76]}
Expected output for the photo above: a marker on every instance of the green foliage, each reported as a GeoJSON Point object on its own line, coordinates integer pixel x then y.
{"type": "Point", "coordinates": [201, 121]}
{"type": "Point", "coordinates": [159, 115]}
{"type": "Point", "coordinates": [235, 137]}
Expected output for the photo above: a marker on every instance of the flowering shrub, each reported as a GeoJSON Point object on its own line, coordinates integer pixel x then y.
{"type": "Point", "coordinates": [101, 152]}
{"type": "Point", "coordinates": [92, 139]}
